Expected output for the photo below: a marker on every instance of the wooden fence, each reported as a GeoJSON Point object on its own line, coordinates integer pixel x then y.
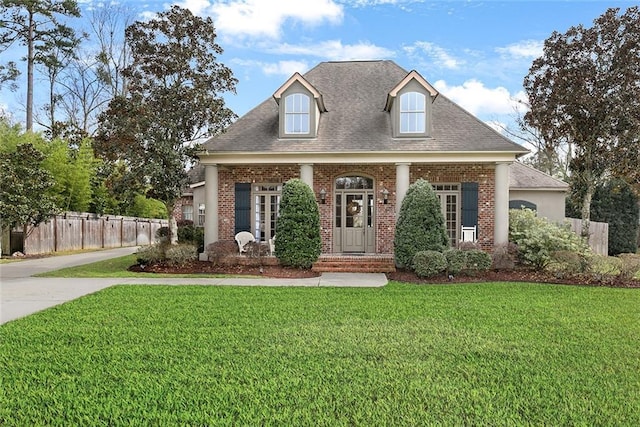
{"type": "Point", "coordinates": [77, 231]}
{"type": "Point", "coordinates": [598, 234]}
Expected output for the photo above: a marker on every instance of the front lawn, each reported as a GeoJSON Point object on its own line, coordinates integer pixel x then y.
{"type": "Point", "coordinates": [477, 354]}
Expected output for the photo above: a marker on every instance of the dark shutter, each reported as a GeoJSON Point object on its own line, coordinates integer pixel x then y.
{"type": "Point", "coordinates": [469, 204]}
{"type": "Point", "coordinates": [243, 207]}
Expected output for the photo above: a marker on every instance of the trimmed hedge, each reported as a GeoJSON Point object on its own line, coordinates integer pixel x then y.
{"type": "Point", "coordinates": [420, 225]}
{"type": "Point", "coordinates": [298, 241]}
{"type": "Point", "coordinates": [429, 263]}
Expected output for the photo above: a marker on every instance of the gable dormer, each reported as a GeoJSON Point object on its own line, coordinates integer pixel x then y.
{"type": "Point", "coordinates": [299, 108]}
{"type": "Point", "coordinates": [410, 105]}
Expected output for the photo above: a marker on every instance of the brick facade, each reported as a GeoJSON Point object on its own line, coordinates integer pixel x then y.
{"type": "Point", "coordinates": [384, 177]}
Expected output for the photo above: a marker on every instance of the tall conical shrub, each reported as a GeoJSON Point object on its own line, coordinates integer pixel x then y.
{"type": "Point", "coordinates": [298, 241]}
{"type": "Point", "coordinates": [420, 225]}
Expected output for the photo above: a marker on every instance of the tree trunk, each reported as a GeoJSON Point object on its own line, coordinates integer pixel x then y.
{"type": "Point", "coordinates": [173, 225]}
{"type": "Point", "coordinates": [30, 61]}
{"type": "Point", "coordinates": [586, 209]}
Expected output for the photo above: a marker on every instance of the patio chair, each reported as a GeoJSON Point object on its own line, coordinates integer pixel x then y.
{"type": "Point", "coordinates": [242, 238]}
{"type": "Point", "coordinates": [272, 245]}
{"type": "Point", "coordinates": [468, 234]}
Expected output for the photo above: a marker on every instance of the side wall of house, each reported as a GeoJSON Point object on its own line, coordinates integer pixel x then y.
{"type": "Point", "coordinates": [384, 177]}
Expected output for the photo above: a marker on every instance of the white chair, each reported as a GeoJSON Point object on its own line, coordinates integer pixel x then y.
{"type": "Point", "coordinates": [272, 245]}
{"type": "Point", "coordinates": [468, 234]}
{"type": "Point", "coordinates": [242, 238]}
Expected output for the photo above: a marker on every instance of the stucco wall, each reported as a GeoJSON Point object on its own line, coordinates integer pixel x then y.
{"type": "Point", "coordinates": [550, 204]}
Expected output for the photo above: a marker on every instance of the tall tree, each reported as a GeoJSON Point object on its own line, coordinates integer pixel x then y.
{"type": "Point", "coordinates": [174, 97]}
{"type": "Point", "coordinates": [35, 23]}
{"type": "Point", "coordinates": [584, 90]}
{"type": "Point", "coordinates": [23, 194]}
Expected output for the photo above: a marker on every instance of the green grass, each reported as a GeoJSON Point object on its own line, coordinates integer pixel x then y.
{"type": "Point", "coordinates": [477, 354]}
{"type": "Point", "coordinates": [114, 267]}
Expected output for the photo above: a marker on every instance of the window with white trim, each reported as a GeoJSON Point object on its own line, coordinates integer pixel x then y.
{"type": "Point", "coordinates": [449, 196]}
{"type": "Point", "coordinates": [266, 204]}
{"type": "Point", "coordinates": [187, 212]}
{"type": "Point", "coordinates": [413, 112]}
{"type": "Point", "coordinates": [297, 113]}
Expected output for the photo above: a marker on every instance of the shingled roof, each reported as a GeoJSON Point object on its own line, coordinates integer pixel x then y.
{"type": "Point", "coordinates": [354, 94]}
{"type": "Point", "coordinates": [523, 177]}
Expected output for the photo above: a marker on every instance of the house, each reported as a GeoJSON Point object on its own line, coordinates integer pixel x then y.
{"type": "Point", "coordinates": [358, 133]}
{"type": "Point", "coordinates": [537, 190]}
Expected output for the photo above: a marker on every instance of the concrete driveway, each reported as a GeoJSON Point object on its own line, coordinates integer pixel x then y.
{"type": "Point", "coordinates": [22, 295]}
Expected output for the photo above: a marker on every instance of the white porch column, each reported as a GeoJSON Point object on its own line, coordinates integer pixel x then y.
{"type": "Point", "coordinates": [402, 183]}
{"type": "Point", "coordinates": [501, 218]}
{"type": "Point", "coordinates": [306, 174]}
{"type": "Point", "coordinates": [210, 204]}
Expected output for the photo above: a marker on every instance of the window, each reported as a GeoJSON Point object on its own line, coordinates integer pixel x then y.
{"type": "Point", "coordinates": [297, 114]}
{"type": "Point", "coordinates": [266, 204]}
{"type": "Point", "coordinates": [449, 196]}
{"type": "Point", "coordinates": [201, 214]}
{"type": "Point", "coordinates": [412, 113]}
{"type": "Point", "coordinates": [187, 212]}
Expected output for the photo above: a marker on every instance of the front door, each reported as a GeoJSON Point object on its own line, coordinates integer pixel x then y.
{"type": "Point", "coordinates": [355, 220]}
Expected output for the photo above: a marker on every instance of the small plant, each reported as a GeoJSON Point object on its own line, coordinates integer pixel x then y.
{"type": "Point", "coordinates": [504, 256]}
{"type": "Point", "coordinates": [149, 255]}
{"type": "Point", "coordinates": [477, 261]}
{"type": "Point", "coordinates": [189, 233]}
{"type": "Point", "coordinates": [177, 255]}
{"type": "Point", "coordinates": [256, 250]}
{"type": "Point", "coordinates": [567, 263]}
{"type": "Point", "coordinates": [456, 260]}
{"type": "Point", "coordinates": [429, 263]}
{"type": "Point", "coordinates": [162, 235]}
{"type": "Point", "coordinates": [603, 267]}
{"type": "Point", "coordinates": [221, 249]}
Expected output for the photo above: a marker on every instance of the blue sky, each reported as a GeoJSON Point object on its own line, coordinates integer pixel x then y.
{"type": "Point", "coordinates": [474, 52]}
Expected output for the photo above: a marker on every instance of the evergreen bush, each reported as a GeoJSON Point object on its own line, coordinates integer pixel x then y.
{"type": "Point", "coordinates": [456, 260]}
{"type": "Point", "coordinates": [420, 225]}
{"type": "Point", "coordinates": [615, 203]}
{"type": "Point", "coordinates": [477, 260]}
{"type": "Point", "coordinates": [429, 263]}
{"type": "Point", "coordinates": [298, 226]}
{"type": "Point", "coordinates": [537, 238]}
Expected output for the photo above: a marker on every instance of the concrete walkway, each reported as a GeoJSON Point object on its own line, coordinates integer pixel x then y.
{"type": "Point", "coordinates": [21, 294]}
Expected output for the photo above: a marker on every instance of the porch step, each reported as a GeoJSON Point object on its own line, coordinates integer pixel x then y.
{"type": "Point", "coordinates": [378, 263]}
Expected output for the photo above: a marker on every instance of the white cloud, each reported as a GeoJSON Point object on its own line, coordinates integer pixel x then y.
{"type": "Point", "coordinates": [265, 18]}
{"type": "Point", "coordinates": [478, 99]}
{"type": "Point", "coordinates": [282, 68]}
{"type": "Point", "coordinates": [439, 56]}
{"type": "Point", "coordinates": [336, 51]}
{"type": "Point", "coordinates": [527, 49]}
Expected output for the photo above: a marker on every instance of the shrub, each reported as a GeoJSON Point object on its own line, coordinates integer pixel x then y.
{"type": "Point", "coordinates": [615, 203]}
{"type": "Point", "coordinates": [420, 225]}
{"type": "Point", "coordinates": [162, 235]}
{"type": "Point", "coordinates": [504, 256]}
{"type": "Point", "coordinates": [152, 254]}
{"type": "Point", "coordinates": [256, 249]}
{"type": "Point", "coordinates": [429, 263]}
{"type": "Point", "coordinates": [181, 254]}
{"type": "Point", "coordinates": [630, 266]}
{"type": "Point", "coordinates": [538, 238]}
{"type": "Point", "coordinates": [189, 233]}
{"type": "Point", "coordinates": [565, 263]}
{"type": "Point", "coordinates": [217, 251]}
{"type": "Point", "coordinates": [477, 260]}
{"type": "Point", "coordinates": [456, 260]}
{"type": "Point", "coordinates": [298, 226]}
{"type": "Point", "coordinates": [602, 267]}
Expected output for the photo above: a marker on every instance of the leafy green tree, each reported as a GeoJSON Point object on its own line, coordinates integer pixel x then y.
{"type": "Point", "coordinates": [420, 225]}
{"type": "Point", "coordinates": [298, 241]}
{"type": "Point", "coordinates": [615, 203]}
{"type": "Point", "coordinates": [24, 198]}
{"type": "Point", "coordinates": [36, 24]}
{"type": "Point", "coordinates": [584, 91]}
{"type": "Point", "coordinates": [173, 98]}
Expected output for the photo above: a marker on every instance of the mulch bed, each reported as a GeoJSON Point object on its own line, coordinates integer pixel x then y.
{"type": "Point", "coordinates": [516, 275]}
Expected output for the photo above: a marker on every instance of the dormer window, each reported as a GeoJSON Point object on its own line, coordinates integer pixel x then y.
{"type": "Point", "coordinates": [297, 113]}
{"type": "Point", "coordinates": [412, 112]}
{"type": "Point", "coordinates": [299, 108]}
{"type": "Point", "coordinates": [410, 104]}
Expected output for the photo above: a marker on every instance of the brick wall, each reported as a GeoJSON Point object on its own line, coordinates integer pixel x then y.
{"type": "Point", "coordinates": [384, 176]}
